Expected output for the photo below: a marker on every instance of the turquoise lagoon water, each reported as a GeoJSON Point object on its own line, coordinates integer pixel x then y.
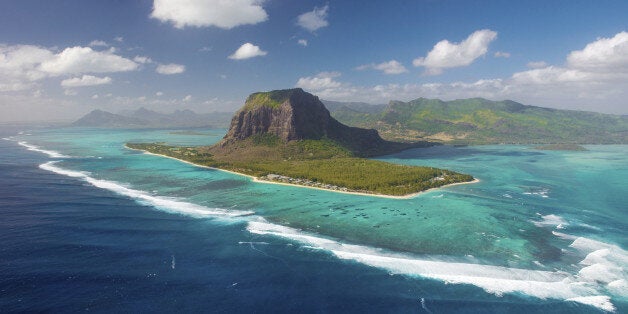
{"type": "Point", "coordinates": [544, 225]}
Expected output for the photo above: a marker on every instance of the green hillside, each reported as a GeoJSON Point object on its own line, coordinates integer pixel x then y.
{"type": "Point", "coordinates": [481, 121]}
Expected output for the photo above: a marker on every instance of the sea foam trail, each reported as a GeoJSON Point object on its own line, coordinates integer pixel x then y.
{"type": "Point", "coordinates": [50, 153]}
{"type": "Point", "coordinates": [493, 279]}
{"type": "Point", "coordinates": [168, 204]}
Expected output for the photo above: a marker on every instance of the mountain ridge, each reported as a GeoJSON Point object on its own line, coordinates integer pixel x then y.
{"type": "Point", "coordinates": [482, 121]}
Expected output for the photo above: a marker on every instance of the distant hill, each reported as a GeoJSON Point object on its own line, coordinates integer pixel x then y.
{"type": "Point", "coordinates": [145, 118]}
{"type": "Point", "coordinates": [482, 121]}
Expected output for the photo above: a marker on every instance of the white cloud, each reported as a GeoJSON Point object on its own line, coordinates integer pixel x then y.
{"type": "Point", "coordinates": [536, 64]}
{"type": "Point", "coordinates": [169, 69]}
{"type": "Point", "coordinates": [321, 81]}
{"type": "Point", "coordinates": [389, 67]}
{"type": "Point", "coordinates": [142, 59]}
{"type": "Point", "coordinates": [75, 60]}
{"type": "Point", "coordinates": [70, 92]}
{"type": "Point", "coordinates": [21, 66]}
{"type": "Point", "coordinates": [205, 49]}
{"type": "Point", "coordinates": [450, 55]}
{"type": "Point", "coordinates": [604, 54]}
{"type": "Point", "coordinates": [119, 39]}
{"type": "Point", "coordinates": [247, 51]}
{"type": "Point", "coordinates": [187, 98]}
{"type": "Point", "coordinates": [501, 54]}
{"type": "Point", "coordinates": [158, 94]}
{"type": "Point", "coordinates": [225, 14]}
{"type": "Point", "coordinates": [85, 80]}
{"type": "Point", "coordinates": [302, 42]}
{"type": "Point", "coordinates": [314, 19]}
{"type": "Point", "coordinates": [98, 43]}
{"type": "Point", "coordinates": [95, 96]}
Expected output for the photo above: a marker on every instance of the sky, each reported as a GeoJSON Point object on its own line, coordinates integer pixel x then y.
{"type": "Point", "coordinates": [60, 59]}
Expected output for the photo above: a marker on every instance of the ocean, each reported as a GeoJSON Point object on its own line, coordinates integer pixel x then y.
{"type": "Point", "coordinates": [88, 225]}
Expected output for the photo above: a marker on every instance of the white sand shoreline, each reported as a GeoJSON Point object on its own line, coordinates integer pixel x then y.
{"type": "Point", "coordinates": [258, 180]}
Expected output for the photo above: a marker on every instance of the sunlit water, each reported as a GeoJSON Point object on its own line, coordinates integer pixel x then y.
{"type": "Point", "coordinates": [542, 231]}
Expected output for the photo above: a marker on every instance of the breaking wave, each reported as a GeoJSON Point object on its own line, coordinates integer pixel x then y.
{"type": "Point", "coordinates": [168, 204]}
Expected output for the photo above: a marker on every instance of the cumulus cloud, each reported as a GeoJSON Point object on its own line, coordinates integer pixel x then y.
{"type": "Point", "coordinates": [75, 60]}
{"type": "Point", "coordinates": [604, 54]}
{"type": "Point", "coordinates": [187, 98]}
{"type": "Point", "coordinates": [501, 54]}
{"type": "Point", "coordinates": [536, 64]}
{"type": "Point", "coordinates": [224, 14]}
{"type": "Point", "coordinates": [247, 51]}
{"type": "Point", "coordinates": [321, 81]}
{"type": "Point", "coordinates": [70, 92]}
{"type": "Point", "coordinates": [169, 69]}
{"type": "Point", "coordinates": [450, 55]}
{"type": "Point", "coordinates": [21, 66]}
{"type": "Point", "coordinates": [142, 59]}
{"type": "Point", "coordinates": [98, 43]}
{"type": "Point", "coordinates": [159, 94]}
{"type": "Point", "coordinates": [86, 80]}
{"type": "Point", "coordinates": [389, 67]}
{"type": "Point", "coordinates": [95, 96]}
{"type": "Point", "coordinates": [314, 19]}
{"type": "Point", "coordinates": [302, 42]}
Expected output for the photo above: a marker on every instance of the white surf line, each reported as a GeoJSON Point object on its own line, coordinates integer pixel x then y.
{"type": "Point", "coordinates": [496, 280]}
{"type": "Point", "coordinates": [50, 153]}
{"type": "Point", "coordinates": [493, 279]}
{"type": "Point", "coordinates": [168, 204]}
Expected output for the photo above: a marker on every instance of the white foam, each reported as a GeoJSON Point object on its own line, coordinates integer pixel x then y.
{"type": "Point", "coordinates": [493, 279]}
{"type": "Point", "coordinates": [600, 301]}
{"type": "Point", "coordinates": [552, 220]}
{"type": "Point", "coordinates": [168, 204]}
{"type": "Point", "coordinates": [50, 153]}
{"type": "Point", "coordinates": [604, 263]}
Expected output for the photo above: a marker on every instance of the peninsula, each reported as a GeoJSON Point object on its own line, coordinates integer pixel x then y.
{"type": "Point", "coordinates": [289, 137]}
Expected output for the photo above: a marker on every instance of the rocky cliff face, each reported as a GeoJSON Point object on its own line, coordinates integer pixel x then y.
{"type": "Point", "coordinates": [294, 114]}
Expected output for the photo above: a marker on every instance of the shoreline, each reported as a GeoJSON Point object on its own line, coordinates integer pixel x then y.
{"type": "Point", "coordinates": [258, 180]}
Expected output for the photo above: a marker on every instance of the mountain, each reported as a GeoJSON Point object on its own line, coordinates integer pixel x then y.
{"type": "Point", "coordinates": [145, 118]}
{"type": "Point", "coordinates": [293, 115]}
{"type": "Point", "coordinates": [482, 121]}
{"type": "Point", "coordinates": [363, 107]}
{"type": "Point", "coordinates": [99, 118]}
{"type": "Point", "coordinates": [288, 136]}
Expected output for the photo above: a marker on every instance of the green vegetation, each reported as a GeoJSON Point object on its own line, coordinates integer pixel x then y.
{"type": "Point", "coordinates": [272, 99]}
{"type": "Point", "coordinates": [313, 162]}
{"type": "Point", "coordinates": [572, 147]}
{"type": "Point", "coordinates": [481, 121]}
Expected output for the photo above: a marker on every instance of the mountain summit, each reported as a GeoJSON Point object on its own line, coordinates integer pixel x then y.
{"type": "Point", "coordinates": [293, 115]}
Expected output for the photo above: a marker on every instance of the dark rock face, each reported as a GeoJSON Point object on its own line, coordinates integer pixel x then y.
{"type": "Point", "coordinates": [299, 115]}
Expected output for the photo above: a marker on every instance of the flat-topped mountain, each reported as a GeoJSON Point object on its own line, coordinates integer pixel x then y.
{"type": "Point", "coordinates": [293, 115]}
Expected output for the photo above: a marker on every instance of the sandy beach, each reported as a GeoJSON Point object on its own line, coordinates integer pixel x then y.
{"type": "Point", "coordinates": [258, 180]}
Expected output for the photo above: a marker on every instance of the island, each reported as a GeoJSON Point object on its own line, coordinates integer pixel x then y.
{"type": "Point", "coordinates": [289, 137]}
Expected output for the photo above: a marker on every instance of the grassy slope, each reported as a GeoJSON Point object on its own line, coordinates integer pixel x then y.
{"type": "Point", "coordinates": [480, 121]}
{"type": "Point", "coordinates": [315, 160]}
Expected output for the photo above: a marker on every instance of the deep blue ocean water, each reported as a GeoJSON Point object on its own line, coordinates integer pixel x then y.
{"type": "Point", "coordinates": [92, 226]}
